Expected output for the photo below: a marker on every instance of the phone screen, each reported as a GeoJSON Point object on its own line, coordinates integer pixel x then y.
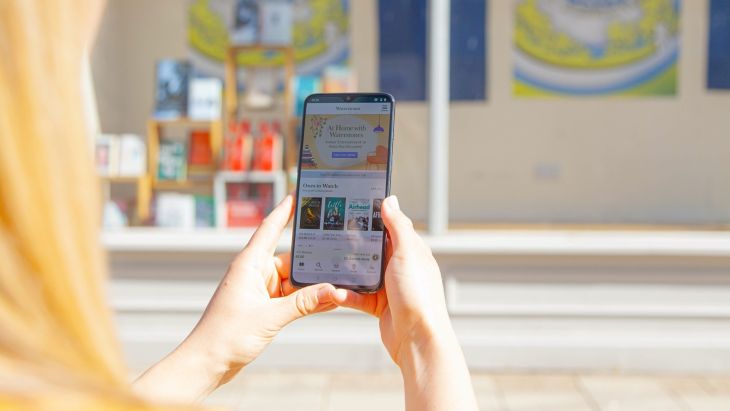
{"type": "Point", "coordinates": [344, 175]}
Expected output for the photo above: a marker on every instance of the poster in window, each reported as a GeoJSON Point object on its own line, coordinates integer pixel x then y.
{"type": "Point", "coordinates": [319, 33]}
{"type": "Point", "coordinates": [596, 47]}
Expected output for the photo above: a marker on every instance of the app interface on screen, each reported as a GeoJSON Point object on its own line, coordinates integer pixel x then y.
{"type": "Point", "coordinates": [339, 233]}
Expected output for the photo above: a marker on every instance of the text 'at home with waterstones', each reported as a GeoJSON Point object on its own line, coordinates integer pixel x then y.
{"type": "Point", "coordinates": [360, 214]}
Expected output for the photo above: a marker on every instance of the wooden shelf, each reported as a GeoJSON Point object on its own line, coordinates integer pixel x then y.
{"type": "Point", "coordinates": [179, 184]}
{"type": "Point", "coordinates": [184, 122]}
{"type": "Point", "coordinates": [122, 179]}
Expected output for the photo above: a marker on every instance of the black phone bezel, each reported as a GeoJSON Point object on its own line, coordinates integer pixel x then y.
{"type": "Point", "coordinates": [344, 98]}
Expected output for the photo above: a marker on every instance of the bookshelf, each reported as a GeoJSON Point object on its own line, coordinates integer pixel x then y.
{"type": "Point", "coordinates": [156, 129]}
{"type": "Point", "coordinates": [214, 178]}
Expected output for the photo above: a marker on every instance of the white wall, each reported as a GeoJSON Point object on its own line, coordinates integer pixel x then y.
{"type": "Point", "coordinates": [645, 160]}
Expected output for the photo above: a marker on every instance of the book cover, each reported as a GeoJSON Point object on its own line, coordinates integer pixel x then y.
{"type": "Point", "coordinates": [172, 163]}
{"type": "Point", "coordinates": [200, 153]}
{"type": "Point", "coordinates": [102, 154]}
{"type": "Point", "coordinates": [267, 151]}
{"type": "Point", "coordinates": [303, 86]}
{"type": "Point", "coordinates": [171, 98]}
{"type": "Point", "coordinates": [310, 216]}
{"type": "Point", "coordinates": [205, 99]}
{"type": "Point", "coordinates": [377, 220]}
{"type": "Point", "coordinates": [276, 22]}
{"type": "Point", "coordinates": [175, 210]}
{"type": "Point", "coordinates": [132, 155]}
{"type": "Point", "coordinates": [242, 206]}
{"type": "Point", "coordinates": [204, 211]}
{"type": "Point", "coordinates": [358, 214]}
{"type": "Point", "coordinates": [245, 25]}
{"type": "Point", "coordinates": [334, 213]}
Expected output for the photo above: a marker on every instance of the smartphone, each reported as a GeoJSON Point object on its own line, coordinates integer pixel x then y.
{"type": "Point", "coordinates": [343, 176]}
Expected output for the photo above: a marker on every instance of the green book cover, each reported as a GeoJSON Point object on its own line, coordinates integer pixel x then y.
{"type": "Point", "coordinates": [172, 164]}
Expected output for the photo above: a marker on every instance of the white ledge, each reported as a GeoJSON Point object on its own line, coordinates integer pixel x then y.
{"type": "Point", "coordinates": [461, 242]}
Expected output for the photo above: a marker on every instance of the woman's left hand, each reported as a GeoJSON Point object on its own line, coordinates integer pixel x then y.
{"type": "Point", "coordinates": [253, 302]}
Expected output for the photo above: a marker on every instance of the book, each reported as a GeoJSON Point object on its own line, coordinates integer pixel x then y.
{"type": "Point", "coordinates": [132, 155]}
{"type": "Point", "coordinates": [243, 208]}
{"type": "Point", "coordinates": [175, 210]}
{"type": "Point", "coordinates": [243, 213]}
{"type": "Point", "coordinates": [171, 97]}
{"type": "Point", "coordinates": [303, 86]}
{"type": "Point", "coordinates": [239, 147]}
{"type": "Point", "coordinates": [267, 149]}
{"type": "Point", "coordinates": [205, 98]}
{"type": "Point", "coordinates": [103, 154]}
{"type": "Point", "coordinates": [377, 224]}
{"type": "Point", "coordinates": [200, 153]}
{"type": "Point", "coordinates": [334, 213]}
{"type": "Point", "coordinates": [276, 22]}
{"type": "Point", "coordinates": [204, 211]}
{"type": "Point", "coordinates": [265, 196]}
{"type": "Point", "coordinates": [172, 163]}
{"type": "Point", "coordinates": [115, 215]}
{"type": "Point", "coordinates": [245, 24]}
{"type": "Point", "coordinates": [358, 214]}
{"type": "Point", "coordinates": [310, 216]}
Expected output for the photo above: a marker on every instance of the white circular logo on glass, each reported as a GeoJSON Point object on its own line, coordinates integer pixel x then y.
{"type": "Point", "coordinates": [346, 141]}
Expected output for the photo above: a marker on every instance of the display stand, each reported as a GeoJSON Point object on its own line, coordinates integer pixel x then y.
{"type": "Point", "coordinates": [288, 119]}
{"type": "Point", "coordinates": [283, 111]}
{"type": "Point", "coordinates": [277, 179]}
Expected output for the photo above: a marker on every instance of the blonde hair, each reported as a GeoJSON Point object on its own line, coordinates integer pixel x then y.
{"type": "Point", "coordinates": [58, 348]}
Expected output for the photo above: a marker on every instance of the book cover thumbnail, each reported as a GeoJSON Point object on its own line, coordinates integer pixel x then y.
{"type": "Point", "coordinates": [358, 214]}
{"type": "Point", "coordinates": [311, 214]}
{"type": "Point", "coordinates": [334, 213]}
{"type": "Point", "coordinates": [377, 220]}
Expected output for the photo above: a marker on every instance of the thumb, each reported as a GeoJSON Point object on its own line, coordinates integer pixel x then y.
{"type": "Point", "coordinates": [400, 227]}
{"type": "Point", "coordinates": [308, 300]}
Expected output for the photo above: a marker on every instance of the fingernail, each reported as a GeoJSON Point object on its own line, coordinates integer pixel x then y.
{"type": "Point", "coordinates": [340, 294]}
{"type": "Point", "coordinates": [324, 295]}
{"type": "Point", "coordinates": [393, 202]}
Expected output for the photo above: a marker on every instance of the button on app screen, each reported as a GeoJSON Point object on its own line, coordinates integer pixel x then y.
{"type": "Point", "coordinates": [339, 235]}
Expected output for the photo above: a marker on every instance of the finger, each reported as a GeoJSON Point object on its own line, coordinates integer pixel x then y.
{"type": "Point", "coordinates": [287, 287]}
{"type": "Point", "coordinates": [283, 265]}
{"type": "Point", "coordinates": [367, 303]}
{"type": "Point", "coordinates": [400, 227]}
{"type": "Point", "coordinates": [305, 301]}
{"type": "Point", "coordinates": [267, 235]}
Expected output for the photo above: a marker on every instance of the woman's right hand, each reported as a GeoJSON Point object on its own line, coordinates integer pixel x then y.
{"type": "Point", "coordinates": [411, 307]}
{"type": "Point", "coordinates": [414, 323]}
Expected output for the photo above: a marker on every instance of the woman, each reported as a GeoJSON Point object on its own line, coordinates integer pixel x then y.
{"type": "Point", "coordinates": [57, 344]}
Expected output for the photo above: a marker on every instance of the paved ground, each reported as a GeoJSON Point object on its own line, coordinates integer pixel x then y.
{"type": "Point", "coordinates": [294, 391]}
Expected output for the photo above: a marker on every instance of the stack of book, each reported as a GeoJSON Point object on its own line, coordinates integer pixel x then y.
{"type": "Point", "coordinates": [246, 150]}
